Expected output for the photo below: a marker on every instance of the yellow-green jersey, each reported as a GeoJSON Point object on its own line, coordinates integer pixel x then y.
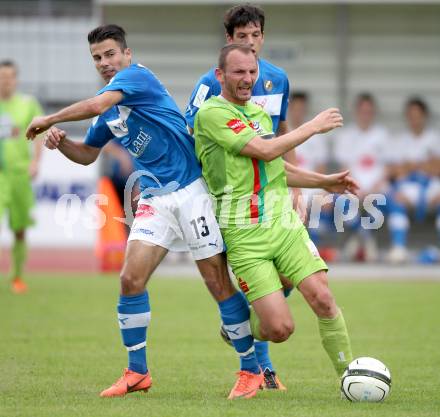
{"type": "Point", "coordinates": [246, 190]}
{"type": "Point", "coordinates": [15, 115]}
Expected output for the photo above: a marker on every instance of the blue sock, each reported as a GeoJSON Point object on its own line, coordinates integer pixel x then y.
{"type": "Point", "coordinates": [134, 317]}
{"type": "Point", "coordinates": [262, 352]}
{"type": "Point", "coordinates": [398, 223]}
{"type": "Point", "coordinates": [235, 316]}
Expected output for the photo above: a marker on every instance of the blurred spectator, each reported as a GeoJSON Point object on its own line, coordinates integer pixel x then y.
{"type": "Point", "coordinates": [18, 165]}
{"type": "Point", "coordinates": [415, 170]}
{"type": "Point", "coordinates": [311, 155]}
{"type": "Point", "coordinates": [362, 147]}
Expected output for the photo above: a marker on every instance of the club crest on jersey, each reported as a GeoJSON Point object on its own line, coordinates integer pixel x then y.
{"type": "Point", "coordinates": [255, 125]}
{"type": "Point", "coordinates": [236, 125]}
{"type": "Point", "coordinates": [268, 85]}
{"type": "Point", "coordinates": [144, 210]}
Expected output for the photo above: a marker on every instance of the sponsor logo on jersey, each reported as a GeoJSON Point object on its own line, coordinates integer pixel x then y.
{"type": "Point", "coordinates": [268, 85]}
{"type": "Point", "coordinates": [236, 125]}
{"type": "Point", "coordinates": [201, 94]}
{"type": "Point", "coordinates": [143, 231]}
{"type": "Point", "coordinates": [138, 146]}
{"type": "Point", "coordinates": [243, 285]}
{"type": "Point", "coordinates": [145, 210]}
{"type": "Point", "coordinates": [270, 103]}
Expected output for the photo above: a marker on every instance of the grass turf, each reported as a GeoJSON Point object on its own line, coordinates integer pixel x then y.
{"type": "Point", "coordinates": [60, 345]}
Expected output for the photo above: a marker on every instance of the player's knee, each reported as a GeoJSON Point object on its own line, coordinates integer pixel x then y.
{"type": "Point", "coordinates": [280, 331]}
{"type": "Point", "coordinates": [324, 304]}
{"type": "Point", "coordinates": [130, 284]}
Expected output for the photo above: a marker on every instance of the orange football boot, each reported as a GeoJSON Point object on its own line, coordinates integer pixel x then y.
{"type": "Point", "coordinates": [247, 385]}
{"type": "Point", "coordinates": [129, 382]}
{"type": "Point", "coordinates": [18, 286]}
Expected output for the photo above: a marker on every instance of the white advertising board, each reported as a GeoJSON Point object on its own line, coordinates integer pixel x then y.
{"type": "Point", "coordinates": [65, 211]}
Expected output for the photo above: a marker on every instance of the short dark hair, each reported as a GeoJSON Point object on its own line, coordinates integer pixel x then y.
{"type": "Point", "coordinates": [9, 63]}
{"type": "Point", "coordinates": [101, 33]}
{"type": "Point", "coordinates": [420, 103]}
{"type": "Point", "coordinates": [242, 15]}
{"type": "Point", "coordinates": [298, 95]}
{"type": "Point", "coordinates": [364, 96]}
{"type": "Point", "coordinates": [227, 49]}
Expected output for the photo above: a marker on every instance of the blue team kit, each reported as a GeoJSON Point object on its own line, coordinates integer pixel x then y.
{"type": "Point", "coordinates": [271, 92]}
{"type": "Point", "coordinates": [148, 123]}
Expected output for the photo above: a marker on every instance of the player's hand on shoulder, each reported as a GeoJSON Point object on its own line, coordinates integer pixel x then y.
{"type": "Point", "coordinates": [327, 120]}
{"type": "Point", "coordinates": [53, 137]}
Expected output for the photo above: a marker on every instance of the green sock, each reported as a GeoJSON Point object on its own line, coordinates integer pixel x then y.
{"type": "Point", "coordinates": [255, 324]}
{"type": "Point", "coordinates": [19, 253]}
{"type": "Point", "coordinates": [336, 342]}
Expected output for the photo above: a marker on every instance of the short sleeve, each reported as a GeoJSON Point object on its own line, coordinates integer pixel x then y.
{"type": "Point", "coordinates": [133, 82]}
{"type": "Point", "coordinates": [223, 127]}
{"type": "Point", "coordinates": [202, 92]}
{"type": "Point", "coordinates": [98, 134]}
{"type": "Point", "coordinates": [285, 100]}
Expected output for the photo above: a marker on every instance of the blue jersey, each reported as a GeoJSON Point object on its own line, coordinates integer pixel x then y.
{"type": "Point", "coordinates": [271, 92]}
{"type": "Point", "coordinates": [147, 122]}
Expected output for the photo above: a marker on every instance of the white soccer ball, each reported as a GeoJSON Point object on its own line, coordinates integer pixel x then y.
{"type": "Point", "coordinates": [366, 379]}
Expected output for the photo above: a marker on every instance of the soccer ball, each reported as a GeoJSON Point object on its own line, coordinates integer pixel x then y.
{"type": "Point", "coordinates": [366, 379]}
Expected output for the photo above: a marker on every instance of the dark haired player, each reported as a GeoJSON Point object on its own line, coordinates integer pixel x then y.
{"type": "Point", "coordinates": [174, 212]}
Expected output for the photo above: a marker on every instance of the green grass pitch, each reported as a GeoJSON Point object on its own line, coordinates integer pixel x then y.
{"type": "Point", "coordinates": [60, 345]}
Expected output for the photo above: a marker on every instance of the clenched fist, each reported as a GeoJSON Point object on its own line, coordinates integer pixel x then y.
{"type": "Point", "coordinates": [53, 137]}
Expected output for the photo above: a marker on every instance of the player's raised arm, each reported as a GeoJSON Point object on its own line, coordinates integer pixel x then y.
{"type": "Point", "coordinates": [80, 153]}
{"type": "Point", "coordinates": [85, 109]}
{"type": "Point", "coordinates": [267, 150]}
{"type": "Point", "coordinates": [339, 182]}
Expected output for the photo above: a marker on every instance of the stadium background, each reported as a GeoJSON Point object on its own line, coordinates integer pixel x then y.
{"type": "Point", "coordinates": [59, 345]}
{"type": "Point", "coordinates": [332, 50]}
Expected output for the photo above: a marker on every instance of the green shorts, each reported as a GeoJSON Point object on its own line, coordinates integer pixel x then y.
{"type": "Point", "coordinates": [17, 199]}
{"type": "Point", "coordinates": [259, 253]}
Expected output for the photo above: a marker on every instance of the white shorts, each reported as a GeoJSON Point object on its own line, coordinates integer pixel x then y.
{"type": "Point", "coordinates": [412, 191]}
{"type": "Point", "coordinates": [180, 221]}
